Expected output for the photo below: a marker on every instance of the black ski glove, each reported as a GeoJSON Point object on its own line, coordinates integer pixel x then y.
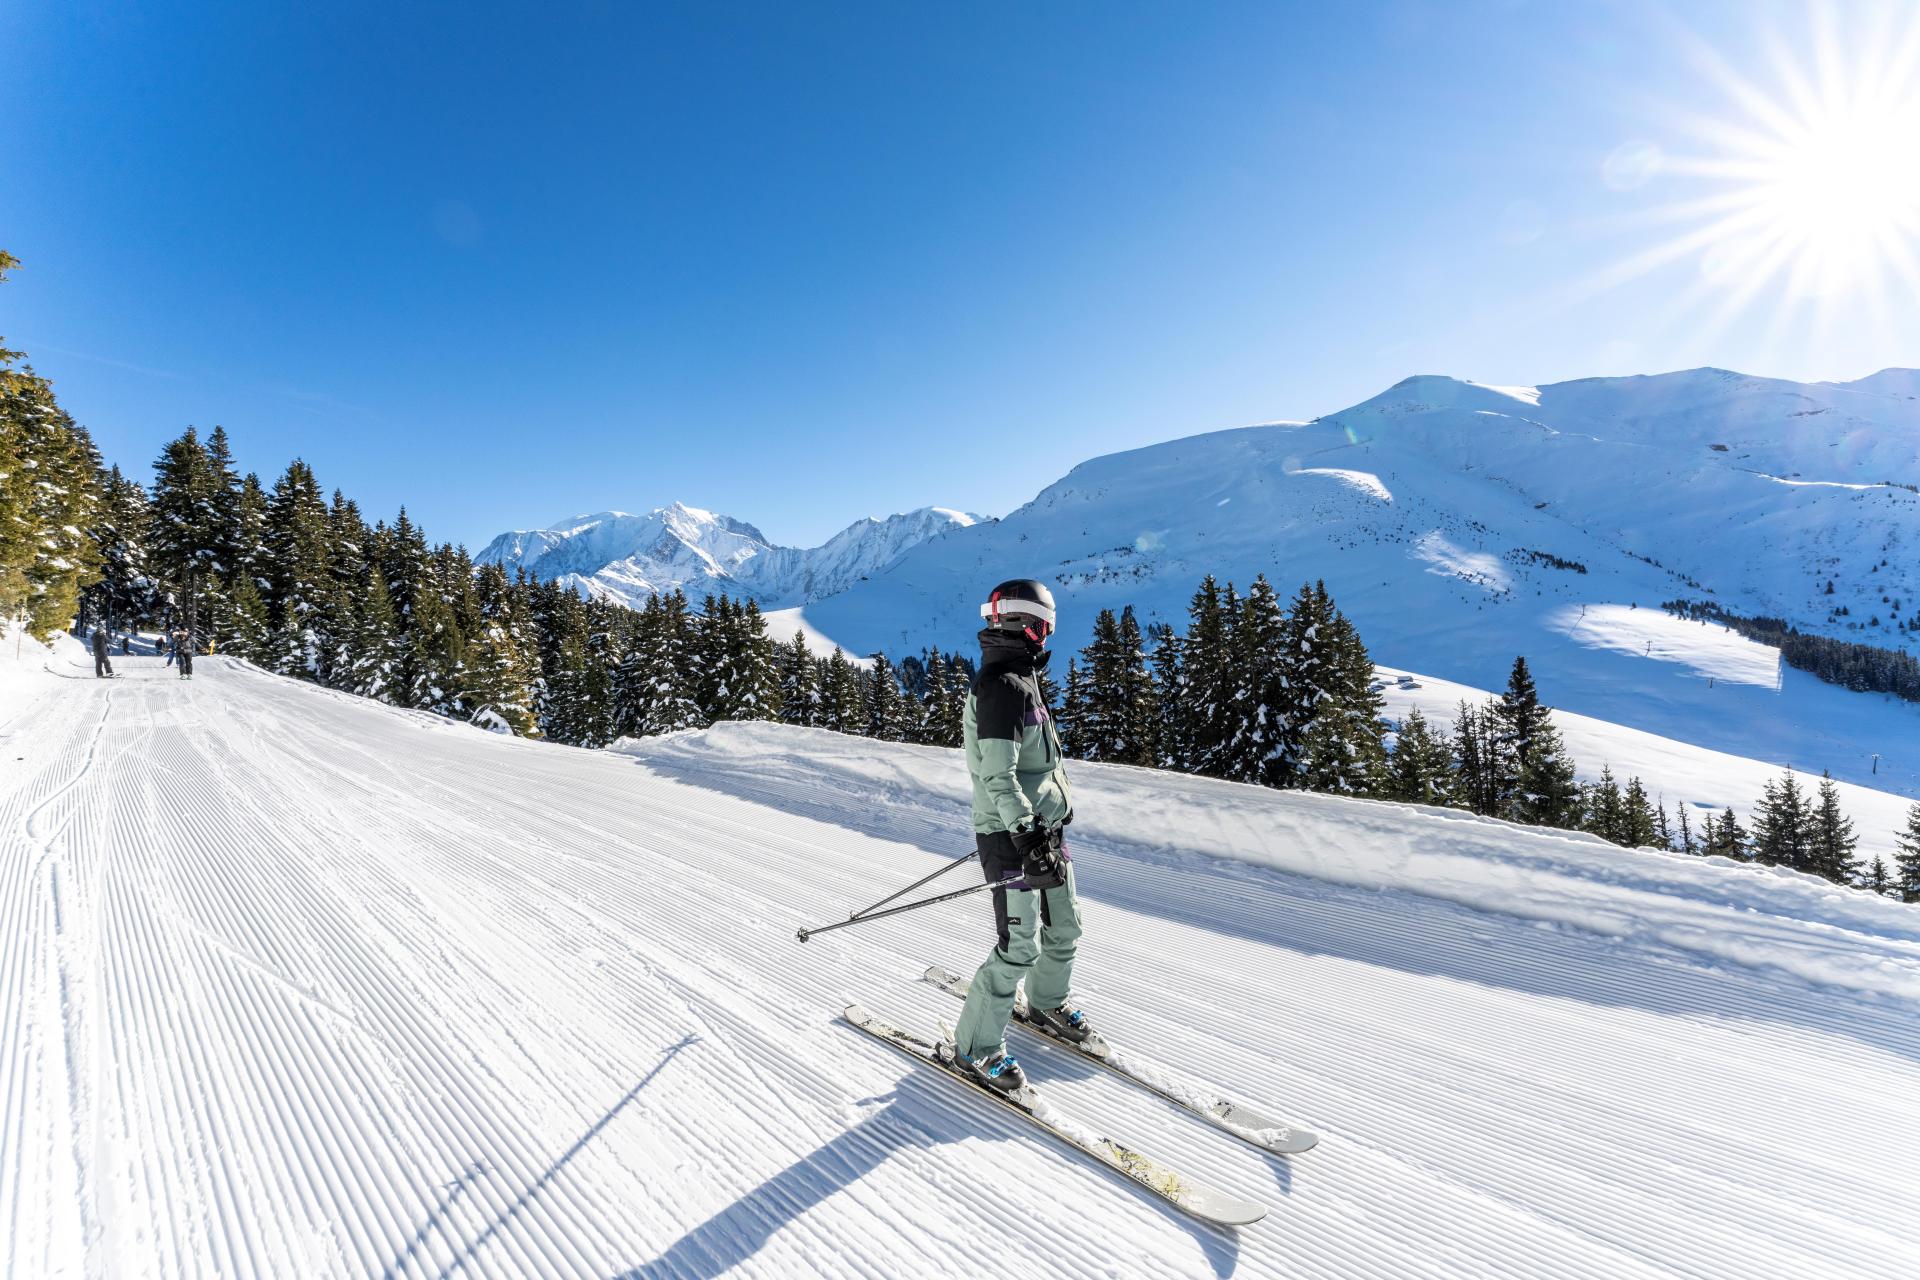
{"type": "Point", "coordinates": [1040, 864]}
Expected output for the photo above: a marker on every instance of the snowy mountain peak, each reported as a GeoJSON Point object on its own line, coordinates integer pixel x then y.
{"type": "Point", "coordinates": [626, 558]}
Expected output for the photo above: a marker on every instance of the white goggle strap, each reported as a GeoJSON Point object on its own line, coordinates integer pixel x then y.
{"type": "Point", "coordinates": [992, 610]}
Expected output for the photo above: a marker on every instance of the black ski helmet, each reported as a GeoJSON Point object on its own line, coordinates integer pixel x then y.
{"type": "Point", "coordinates": [1021, 605]}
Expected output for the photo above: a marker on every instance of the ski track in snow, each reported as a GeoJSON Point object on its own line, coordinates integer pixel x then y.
{"type": "Point", "coordinates": [298, 985]}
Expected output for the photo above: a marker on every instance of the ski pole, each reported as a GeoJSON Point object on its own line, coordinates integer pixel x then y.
{"type": "Point", "coordinates": [965, 857]}
{"type": "Point", "coordinates": [1008, 883]}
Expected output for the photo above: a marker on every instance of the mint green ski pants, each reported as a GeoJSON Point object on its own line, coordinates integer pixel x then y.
{"type": "Point", "coordinates": [1039, 932]}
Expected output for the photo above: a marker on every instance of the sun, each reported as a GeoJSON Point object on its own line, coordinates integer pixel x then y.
{"type": "Point", "coordinates": [1806, 181]}
{"type": "Point", "coordinates": [1830, 197]}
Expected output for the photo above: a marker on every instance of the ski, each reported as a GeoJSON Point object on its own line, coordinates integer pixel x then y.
{"type": "Point", "coordinates": [1175, 1188]}
{"type": "Point", "coordinates": [1238, 1119]}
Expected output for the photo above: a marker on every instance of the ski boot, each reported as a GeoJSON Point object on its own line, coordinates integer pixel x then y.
{"type": "Point", "coordinates": [1066, 1022]}
{"type": "Point", "coordinates": [998, 1071]}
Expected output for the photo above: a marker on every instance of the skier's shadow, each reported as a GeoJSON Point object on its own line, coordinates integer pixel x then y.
{"type": "Point", "coordinates": [921, 1113]}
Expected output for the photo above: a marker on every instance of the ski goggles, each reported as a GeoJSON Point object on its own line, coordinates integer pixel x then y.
{"type": "Point", "coordinates": [1035, 618]}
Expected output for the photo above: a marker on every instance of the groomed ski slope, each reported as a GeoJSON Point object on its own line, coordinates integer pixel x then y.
{"type": "Point", "coordinates": [294, 984]}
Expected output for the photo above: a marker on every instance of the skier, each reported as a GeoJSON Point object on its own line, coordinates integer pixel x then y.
{"type": "Point", "coordinates": [183, 645]}
{"type": "Point", "coordinates": [102, 668]}
{"type": "Point", "coordinates": [1021, 802]}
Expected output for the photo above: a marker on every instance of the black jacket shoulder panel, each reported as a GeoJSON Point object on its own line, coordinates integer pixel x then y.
{"type": "Point", "coordinates": [1000, 701]}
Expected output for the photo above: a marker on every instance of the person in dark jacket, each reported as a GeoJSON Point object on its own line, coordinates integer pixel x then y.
{"type": "Point", "coordinates": [102, 668]}
{"type": "Point", "coordinates": [183, 645]}
{"type": "Point", "coordinates": [1021, 805]}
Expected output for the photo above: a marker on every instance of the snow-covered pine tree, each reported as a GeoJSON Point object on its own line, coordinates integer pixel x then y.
{"type": "Point", "coordinates": [500, 673]}
{"type": "Point", "coordinates": [885, 703]}
{"type": "Point", "coordinates": [759, 696]}
{"type": "Point", "coordinates": [1256, 743]}
{"type": "Point", "coordinates": [243, 627]}
{"type": "Point", "coordinates": [1207, 680]}
{"type": "Point", "coordinates": [1831, 838]}
{"type": "Point", "coordinates": [375, 669]}
{"type": "Point", "coordinates": [1421, 768]}
{"type": "Point", "coordinates": [799, 687]}
{"type": "Point", "coordinates": [946, 712]}
{"type": "Point", "coordinates": [841, 702]}
{"type": "Point", "coordinates": [1906, 858]}
{"type": "Point", "coordinates": [186, 534]}
{"type": "Point", "coordinates": [124, 596]}
{"type": "Point", "coordinates": [1662, 833]}
{"type": "Point", "coordinates": [301, 574]}
{"type": "Point", "coordinates": [1344, 747]}
{"type": "Point", "coordinates": [226, 506]}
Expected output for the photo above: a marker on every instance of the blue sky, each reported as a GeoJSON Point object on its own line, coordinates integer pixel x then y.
{"type": "Point", "coordinates": [802, 263]}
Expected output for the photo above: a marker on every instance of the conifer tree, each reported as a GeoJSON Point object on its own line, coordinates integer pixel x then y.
{"type": "Point", "coordinates": [1727, 839]}
{"type": "Point", "coordinates": [1207, 681]}
{"type": "Point", "coordinates": [1547, 793]}
{"type": "Point", "coordinates": [1685, 829]}
{"type": "Point", "coordinates": [1831, 839]}
{"type": "Point", "coordinates": [123, 597]}
{"type": "Point", "coordinates": [187, 535]}
{"type": "Point", "coordinates": [1876, 879]}
{"type": "Point", "coordinates": [1637, 829]}
{"type": "Point", "coordinates": [49, 500]}
{"type": "Point", "coordinates": [885, 704]}
{"type": "Point", "coordinates": [1075, 717]}
{"type": "Point", "coordinates": [1139, 700]}
{"type": "Point", "coordinates": [300, 572]}
{"type": "Point", "coordinates": [1172, 731]}
{"type": "Point", "coordinates": [1421, 770]}
{"type": "Point", "coordinates": [947, 709]}
{"type": "Point", "coordinates": [1344, 747]}
{"type": "Point", "coordinates": [1906, 858]}
{"type": "Point", "coordinates": [245, 631]}
{"type": "Point", "coordinates": [1782, 825]}
{"type": "Point", "coordinates": [1477, 784]}
{"type": "Point", "coordinates": [759, 695]}
{"type": "Point", "coordinates": [840, 705]}
{"type": "Point", "coordinates": [374, 670]}
{"type": "Point", "coordinates": [799, 687]}
{"type": "Point", "coordinates": [1662, 833]}
{"type": "Point", "coordinates": [1261, 744]}
{"type": "Point", "coordinates": [500, 674]}
{"type": "Point", "coordinates": [225, 500]}
{"type": "Point", "coordinates": [1606, 808]}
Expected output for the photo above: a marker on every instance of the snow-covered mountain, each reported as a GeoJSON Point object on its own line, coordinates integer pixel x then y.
{"type": "Point", "coordinates": [626, 558]}
{"type": "Point", "coordinates": [1460, 524]}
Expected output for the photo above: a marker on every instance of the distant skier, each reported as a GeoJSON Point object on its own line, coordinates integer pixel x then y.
{"type": "Point", "coordinates": [102, 667]}
{"type": "Point", "coordinates": [1021, 802]}
{"type": "Point", "coordinates": [183, 645]}
{"type": "Point", "coordinates": [126, 643]}
{"type": "Point", "coordinates": [161, 644]}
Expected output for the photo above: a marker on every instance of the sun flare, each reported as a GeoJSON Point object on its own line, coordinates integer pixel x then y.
{"type": "Point", "coordinates": [1807, 181]}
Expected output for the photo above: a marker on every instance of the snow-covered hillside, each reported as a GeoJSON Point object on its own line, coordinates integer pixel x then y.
{"type": "Point", "coordinates": [296, 984]}
{"type": "Point", "coordinates": [627, 558]}
{"type": "Point", "coordinates": [1461, 524]}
